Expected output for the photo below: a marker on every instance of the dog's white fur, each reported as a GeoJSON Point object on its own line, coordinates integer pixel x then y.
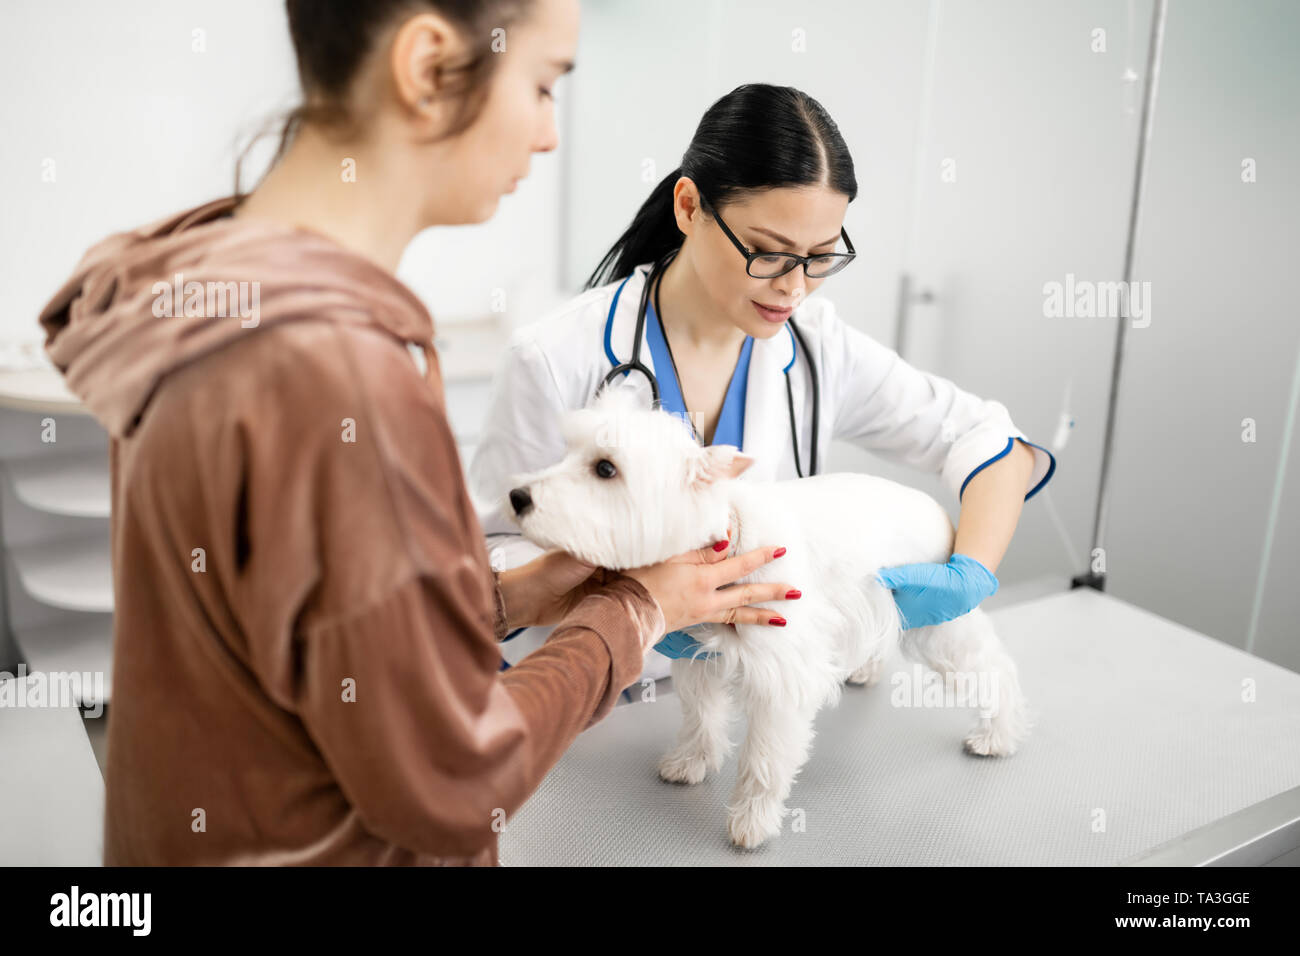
{"type": "Point", "coordinates": [669, 495]}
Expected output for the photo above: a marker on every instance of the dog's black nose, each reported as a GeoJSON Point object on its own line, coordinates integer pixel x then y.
{"type": "Point", "coordinates": [520, 500]}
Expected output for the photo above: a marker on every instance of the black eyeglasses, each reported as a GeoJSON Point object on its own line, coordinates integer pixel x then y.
{"type": "Point", "coordinates": [770, 265]}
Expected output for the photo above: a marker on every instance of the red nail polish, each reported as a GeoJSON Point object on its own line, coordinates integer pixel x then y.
{"type": "Point", "coordinates": [721, 545]}
{"type": "Point", "coordinates": [778, 552]}
{"type": "Point", "coordinates": [778, 621]}
{"type": "Point", "coordinates": [791, 594]}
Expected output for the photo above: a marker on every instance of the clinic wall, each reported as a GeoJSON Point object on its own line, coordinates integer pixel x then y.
{"type": "Point", "coordinates": [140, 124]}
{"type": "Point", "coordinates": [1205, 526]}
{"type": "Point", "coordinates": [136, 123]}
{"type": "Point", "coordinates": [1024, 168]}
{"type": "Point", "coordinates": [1041, 125]}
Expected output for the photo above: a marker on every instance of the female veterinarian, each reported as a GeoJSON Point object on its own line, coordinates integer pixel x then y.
{"type": "Point", "coordinates": [306, 622]}
{"type": "Point", "coordinates": [704, 308]}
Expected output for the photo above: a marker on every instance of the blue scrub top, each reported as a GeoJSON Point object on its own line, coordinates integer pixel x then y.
{"type": "Point", "coordinates": [730, 431]}
{"type": "Point", "coordinates": [731, 421]}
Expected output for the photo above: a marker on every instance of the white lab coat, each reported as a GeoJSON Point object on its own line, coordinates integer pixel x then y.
{"type": "Point", "coordinates": [869, 396]}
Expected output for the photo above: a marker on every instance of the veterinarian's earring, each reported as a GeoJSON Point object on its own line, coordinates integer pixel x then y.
{"type": "Point", "coordinates": [426, 101]}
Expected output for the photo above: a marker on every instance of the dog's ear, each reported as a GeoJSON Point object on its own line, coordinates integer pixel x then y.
{"type": "Point", "coordinates": [718, 463]}
{"type": "Point", "coordinates": [578, 425]}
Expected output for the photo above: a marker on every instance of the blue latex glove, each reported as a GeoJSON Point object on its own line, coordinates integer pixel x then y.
{"type": "Point", "coordinates": [934, 593]}
{"type": "Point", "coordinates": [680, 644]}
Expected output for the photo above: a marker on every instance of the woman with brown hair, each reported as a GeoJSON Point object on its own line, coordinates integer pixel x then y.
{"type": "Point", "coordinates": [305, 630]}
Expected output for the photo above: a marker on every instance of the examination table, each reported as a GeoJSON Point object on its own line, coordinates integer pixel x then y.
{"type": "Point", "coordinates": [1145, 751]}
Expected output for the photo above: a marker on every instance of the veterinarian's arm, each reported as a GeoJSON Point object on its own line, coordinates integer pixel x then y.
{"type": "Point", "coordinates": [912, 416]}
{"type": "Point", "coordinates": [991, 506]}
{"type": "Point", "coordinates": [931, 593]}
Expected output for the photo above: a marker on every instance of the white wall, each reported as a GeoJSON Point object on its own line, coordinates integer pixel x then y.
{"type": "Point", "coordinates": [1204, 526]}
{"type": "Point", "coordinates": [136, 122]}
{"type": "Point", "coordinates": [139, 123]}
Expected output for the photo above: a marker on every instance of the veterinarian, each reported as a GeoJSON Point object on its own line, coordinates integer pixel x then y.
{"type": "Point", "coordinates": [306, 667]}
{"type": "Point", "coordinates": [702, 304]}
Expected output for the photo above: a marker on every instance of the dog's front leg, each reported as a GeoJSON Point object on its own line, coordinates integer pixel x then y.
{"type": "Point", "coordinates": [702, 743]}
{"type": "Point", "coordinates": [774, 750]}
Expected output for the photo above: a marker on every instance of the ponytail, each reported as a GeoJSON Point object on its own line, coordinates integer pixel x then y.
{"type": "Point", "coordinates": [653, 232]}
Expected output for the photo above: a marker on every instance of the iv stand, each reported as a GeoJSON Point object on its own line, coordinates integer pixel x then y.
{"type": "Point", "coordinates": [1092, 578]}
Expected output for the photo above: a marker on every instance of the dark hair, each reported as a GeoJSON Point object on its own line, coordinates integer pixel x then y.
{"type": "Point", "coordinates": [757, 137]}
{"type": "Point", "coordinates": [332, 38]}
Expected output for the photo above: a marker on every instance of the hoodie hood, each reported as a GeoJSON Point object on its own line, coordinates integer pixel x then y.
{"type": "Point", "coordinates": [143, 303]}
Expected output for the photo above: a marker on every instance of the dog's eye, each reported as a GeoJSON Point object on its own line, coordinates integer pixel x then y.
{"type": "Point", "coordinates": [605, 468]}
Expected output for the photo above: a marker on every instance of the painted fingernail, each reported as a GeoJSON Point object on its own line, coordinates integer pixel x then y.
{"type": "Point", "coordinates": [777, 621]}
{"type": "Point", "coordinates": [791, 594]}
{"type": "Point", "coordinates": [721, 546]}
{"type": "Point", "coordinates": [778, 552]}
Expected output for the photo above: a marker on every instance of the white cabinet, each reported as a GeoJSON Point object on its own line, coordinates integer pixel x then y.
{"type": "Point", "coordinates": [56, 620]}
{"type": "Point", "coordinates": [56, 589]}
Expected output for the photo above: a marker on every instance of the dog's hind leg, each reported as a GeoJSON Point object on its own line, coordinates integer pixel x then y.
{"type": "Point", "coordinates": [702, 743]}
{"type": "Point", "coordinates": [966, 651]}
{"type": "Point", "coordinates": [875, 616]}
{"type": "Point", "coordinates": [869, 673]}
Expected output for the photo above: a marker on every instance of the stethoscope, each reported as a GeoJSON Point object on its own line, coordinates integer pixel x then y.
{"type": "Point", "coordinates": [636, 365]}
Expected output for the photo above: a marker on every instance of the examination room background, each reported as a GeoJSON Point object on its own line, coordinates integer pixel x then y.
{"type": "Point", "coordinates": [995, 148]}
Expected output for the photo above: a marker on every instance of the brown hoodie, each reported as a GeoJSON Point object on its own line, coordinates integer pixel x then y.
{"type": "Point", "coordinates": [305, 658]}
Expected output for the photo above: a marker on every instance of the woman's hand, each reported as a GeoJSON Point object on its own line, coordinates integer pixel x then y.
{"type": "Point", "coordinates": [543, 591]}
{"type": "Point", "coordinates": [694, 588]}
{"type": "Point", "coordinates": [929, 594]}
{"type": "Point", "coordinates": [691, 588]}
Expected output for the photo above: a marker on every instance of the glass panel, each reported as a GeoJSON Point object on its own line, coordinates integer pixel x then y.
{"type": "Point", "coordinates": [1023, 174]}
{"type": "Point", "coordinates": [1205, 517]}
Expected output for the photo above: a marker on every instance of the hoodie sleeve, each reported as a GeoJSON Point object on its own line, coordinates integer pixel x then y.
{"type": "Point", "coordinates": [433, 746]}
{"type": "Point", "coordinates": [396, 668]}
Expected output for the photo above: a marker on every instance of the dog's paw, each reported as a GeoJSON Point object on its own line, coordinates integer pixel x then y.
{"type": "Point", "coordinates": [752, 822]}
{"type": "Point", "coordinates": [869, 673]}
{"type": "Point", "coordinates": [989, 741]}
{"type": "Point", "coordinates": [683, 766]}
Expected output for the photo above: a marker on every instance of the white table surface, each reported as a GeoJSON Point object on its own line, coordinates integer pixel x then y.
{"type": "Point", "coordinates": [1141, 724]}
{"type": "Point", "coordinates": [51, 790]}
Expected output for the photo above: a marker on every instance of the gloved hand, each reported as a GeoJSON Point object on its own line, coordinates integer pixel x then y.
{"type": "Point", "coordinates": [934, 593]}
{"type": "Point", "coordinates": [680, 644]}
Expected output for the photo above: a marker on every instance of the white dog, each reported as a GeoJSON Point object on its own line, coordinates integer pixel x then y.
{"type": "Point", "coordinates": [635, 489]}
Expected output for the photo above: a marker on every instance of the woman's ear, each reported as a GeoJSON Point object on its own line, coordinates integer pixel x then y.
{"type": "Point", "coordinates": [423, 48]}
{"type": "Point", "coordinates": [686, 204]}
{"type": "Point", "coordinates": [718, 463]}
